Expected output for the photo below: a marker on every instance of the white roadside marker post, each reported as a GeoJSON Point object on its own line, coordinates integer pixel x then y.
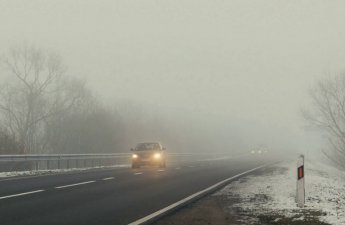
{"type": "Point", "coordinates": [300, 193]}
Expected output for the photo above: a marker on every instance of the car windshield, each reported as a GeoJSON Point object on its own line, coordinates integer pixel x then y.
{"type": "Point", "coordinates": [147, 146]}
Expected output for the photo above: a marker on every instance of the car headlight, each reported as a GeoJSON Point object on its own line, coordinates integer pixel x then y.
{"type": "Point", "coordinates": [157, 155]}
{"type": "Point", "coordinates": [134, 156]}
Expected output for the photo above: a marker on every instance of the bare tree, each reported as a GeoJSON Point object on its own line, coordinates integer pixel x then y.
{"type": "Point", "coordinates": [328, 114]}
{"type": "Point", "coordinates": [7, 144]}
{"type": "Point", "coordinates": [37, 90]}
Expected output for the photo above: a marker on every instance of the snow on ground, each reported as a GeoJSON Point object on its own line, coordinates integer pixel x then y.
{"type": "Point", "coordinates": [54, 171]}
{"type": "Point", "coordinates": [273, 193]}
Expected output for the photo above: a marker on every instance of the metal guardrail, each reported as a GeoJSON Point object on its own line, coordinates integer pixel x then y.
{"type": "Point", "coordinates": [36, 157]}
{"type": "Point", "coordinates": [60, 161]}
{"type": "Point", "coordinates": [31, 162]}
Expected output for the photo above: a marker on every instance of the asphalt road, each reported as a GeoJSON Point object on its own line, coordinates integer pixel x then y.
{"type": "Point", "coordinates": [116, 196]}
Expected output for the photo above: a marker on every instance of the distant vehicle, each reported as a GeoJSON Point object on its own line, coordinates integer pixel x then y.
{"type": "Point", "coordinates": [150, 154]}
{"type": "Point", "coordinates": [260, 150]}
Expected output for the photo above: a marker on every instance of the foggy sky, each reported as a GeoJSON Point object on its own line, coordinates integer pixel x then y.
{"type": "Point", "coordinates": [251, 61]}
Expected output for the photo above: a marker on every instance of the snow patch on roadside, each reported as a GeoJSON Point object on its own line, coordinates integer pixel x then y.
{"type": "Point", "coordinates": [325, 191]}
{"type": "Point", "coordinates": [55, 171]}
{"type": "Point", "coordinates": [274, 192]}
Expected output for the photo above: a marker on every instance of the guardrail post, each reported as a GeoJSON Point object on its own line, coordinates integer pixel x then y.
{"type": "Point", "coordinates": [26, 165]}
{"type": "Point", "coordinates": [59, 163]}
{"type": "Point", "coordinates": [12, 164]}
{"type": "Point", "coordinates": [77, 163]}
{"type": "Point", "coordinates": [67, 163]}
{"type": "Point", "coordinates": [300, 192]}
{"type": "Point", "coordinates": [36, 165]}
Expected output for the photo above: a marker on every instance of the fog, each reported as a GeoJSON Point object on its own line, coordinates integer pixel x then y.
{"type": "Point", "coordinates": [218, 75]}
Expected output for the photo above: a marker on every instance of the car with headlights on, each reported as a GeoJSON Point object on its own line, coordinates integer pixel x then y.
{"type": "Point", "coordinates": [148, 154]}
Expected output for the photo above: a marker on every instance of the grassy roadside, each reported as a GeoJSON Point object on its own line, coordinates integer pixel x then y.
{"type": "Point", "coordinates": [230, 207]}
{"type": "Point", "coordinates": [214, 210]}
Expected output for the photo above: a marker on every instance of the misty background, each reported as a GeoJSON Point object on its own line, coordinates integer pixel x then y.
{"type": "Point", "coordinates": [196, 75]}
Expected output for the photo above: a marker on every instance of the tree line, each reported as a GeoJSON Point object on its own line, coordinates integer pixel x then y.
{"type": "Point", "coordinates": [43, 109]}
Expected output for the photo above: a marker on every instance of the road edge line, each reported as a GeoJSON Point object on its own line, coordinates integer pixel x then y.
{"type": "Point", "coordinates": [192, 198]}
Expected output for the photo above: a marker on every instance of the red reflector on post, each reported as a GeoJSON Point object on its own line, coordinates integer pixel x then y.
{"type": "Point", "coordinates": [300, 172]}
{"type": "Point", "coordinates": [300, 190]}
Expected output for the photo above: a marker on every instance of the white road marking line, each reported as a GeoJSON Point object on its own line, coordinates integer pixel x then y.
{"type": "Point", "coordinates": [25, 193]}
{"type": "Point", "coordinates": [177, 168]}
{"type": "Point", "coordinates": [160, 170]}
{"type": "Point", "coordinates": [108, 178]}
{"type": "Point", "coordinates": [77, 184]}
{"type": "Point", "coordinates": [190, 198]}
{"type": "Point", "coordinates": [138, 173]}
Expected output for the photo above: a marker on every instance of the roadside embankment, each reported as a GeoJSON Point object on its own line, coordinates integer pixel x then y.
{"type": "Point", "coordinates": [268, 197]}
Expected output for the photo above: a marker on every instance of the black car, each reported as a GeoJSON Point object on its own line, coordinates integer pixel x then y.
{"type": "Point", "coordinates": [148, 153]}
